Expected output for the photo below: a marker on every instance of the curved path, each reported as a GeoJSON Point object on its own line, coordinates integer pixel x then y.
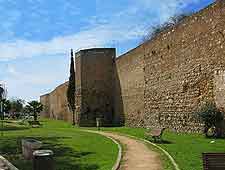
{"type": "Point", "coordinates": [137, 156]}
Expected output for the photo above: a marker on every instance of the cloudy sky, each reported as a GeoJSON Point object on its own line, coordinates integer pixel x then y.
{"type": "Point", "coordinates": [36, 35]}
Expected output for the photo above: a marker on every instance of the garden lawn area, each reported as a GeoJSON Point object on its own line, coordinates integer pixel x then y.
{"type": "Point", "coordinates": [186, 149]}
{"type": "Point", "coordinates": [73, 149]}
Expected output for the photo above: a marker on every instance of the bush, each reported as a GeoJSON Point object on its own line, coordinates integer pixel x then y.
{"type": "Point", "coordinates": [213, 119]}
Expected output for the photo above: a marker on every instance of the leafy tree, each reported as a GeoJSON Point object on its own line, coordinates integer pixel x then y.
{"type": "Point", "coordinates": [35, 108]}
{"type": "Point", "coordinates": [7, 105]}
{"type": "Point", "coordinates": [72, 88]}
{"type": "Point", "coordinates": [27, 109]}
{"type": "Point", "coordinates": [17, 105]}
{"type": "Point", "coordinates": [1, 101]}
{"type": "Point", "coordinates": [213, 118]}
{"type": "Point", "coordinates": [1, 92]}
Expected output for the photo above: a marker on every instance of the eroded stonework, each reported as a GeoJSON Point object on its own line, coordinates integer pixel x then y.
{"type": "Point", "coordinates": [162, 82]}
{"type": "Point", "coordinates": [95, 86]}
{"type": "Point", "coordinates": [56, 105]}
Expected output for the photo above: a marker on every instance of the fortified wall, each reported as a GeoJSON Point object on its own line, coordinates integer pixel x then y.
{"type": "Point", "coordinates": [94, 86]}
{"type": "Point", "coordinates": [56, 105]}
{"type": "Point", "coordinates": [161, 82]}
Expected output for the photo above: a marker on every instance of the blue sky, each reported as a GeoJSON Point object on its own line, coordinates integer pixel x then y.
{"type": "Point", "coordinates": [36, 35]}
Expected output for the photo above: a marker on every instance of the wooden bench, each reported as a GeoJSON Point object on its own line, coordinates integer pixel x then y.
{"type": "Point", "coordinates": [34, 123]}
{"type": "Point", "coordinates": [213, 161]}
{"type": "Point", "coordinates": [156, 134]}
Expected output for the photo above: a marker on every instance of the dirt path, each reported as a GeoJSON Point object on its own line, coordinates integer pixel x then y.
{"type": "Point", "coordinates": [3, 166]}
{"type": "Point", "coordinates": [137, 155]}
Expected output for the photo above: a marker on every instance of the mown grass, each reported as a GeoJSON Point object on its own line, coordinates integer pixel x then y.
{"type": "Point", "coordinates": [84, 151]}
{"type": "Point", "coordinates": [186, 149]}
{"type": "Point", "coordinates": [73, 149]}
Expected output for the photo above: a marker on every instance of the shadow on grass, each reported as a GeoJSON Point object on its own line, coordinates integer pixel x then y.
{"type": "Point", "coordinates": [66, 158]}
{"type": "Point", "coordinates": [162, 141]}
{"type": "Point", "coordinates": [13, 128]}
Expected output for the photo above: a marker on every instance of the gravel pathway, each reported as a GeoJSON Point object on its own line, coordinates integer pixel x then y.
{"type": "Point", "coordinates": [137, 156]}
{"type": "Point", "coordinates": [3, 166]}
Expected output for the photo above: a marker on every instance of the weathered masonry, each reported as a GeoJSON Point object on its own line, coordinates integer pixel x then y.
{"type": "Point", "coordinates": [94, 86]}
{"type": "Point", "coordinates": [160, 83]}
{"type": "Point", "coordinates": [55, 104]}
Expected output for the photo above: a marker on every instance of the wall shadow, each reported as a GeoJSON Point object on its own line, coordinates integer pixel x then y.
{"type": "Point", "coordinates": [118, 109]}
{"type": "Point", "coordinates": [161, 141]}
{"type": "Point", "coordinates": [66, 157]}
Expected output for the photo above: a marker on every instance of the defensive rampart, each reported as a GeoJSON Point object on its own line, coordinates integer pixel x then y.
{"type": "Point", "coordinates": [162, 82]}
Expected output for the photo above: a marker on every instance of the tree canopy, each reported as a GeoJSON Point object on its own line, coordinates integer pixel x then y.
{"type": "Point", "coordinates": [16, 105]}
{"type": "Point", "coordinates": [34, 107]}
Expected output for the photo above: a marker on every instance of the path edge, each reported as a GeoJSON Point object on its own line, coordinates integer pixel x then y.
{"type": "Point", "coordinates": [9, 164]}
{"type": "Point", "coordinates": [172, 160]}
{"type": "Point", "coordinates": [119, 155]}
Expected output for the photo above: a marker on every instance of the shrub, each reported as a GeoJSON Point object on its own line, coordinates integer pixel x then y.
{"type": "Point", "coordinates": [155, 30]}
{"type": "Point", "coordinates": [213, 118]}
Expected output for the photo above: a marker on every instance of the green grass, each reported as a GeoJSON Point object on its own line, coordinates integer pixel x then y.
{"type": "Point", "coordinates": [12, 125]}
{"type": "Point", "coordinates": [186, 149]}
{"type": "Point", "coordinates": [84, 151]}
{"type": "Point", "coordinates": [73, 149]}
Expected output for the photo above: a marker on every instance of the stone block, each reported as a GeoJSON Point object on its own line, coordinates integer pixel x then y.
{"type": "Point", "coordinates": [29, 146]}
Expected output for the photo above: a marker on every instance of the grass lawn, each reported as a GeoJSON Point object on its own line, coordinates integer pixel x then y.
{"type": "Point", "coordinates": [73, 149]}
{"type": "Point", "coordinates": [186, 149]}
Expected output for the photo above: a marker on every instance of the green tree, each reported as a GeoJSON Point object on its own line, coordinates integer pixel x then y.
{"type": "Point", "coordinates": [213, 119]}
{"type": "Point", "coordinates": [17, 105]}
{"type": "Point", "coordinates": [6, 105]}
{"type": "Point", "coordinates": [34, 107]}
{"type": "Point", "coordinates": [72, 88]}
{"type": "Point", "coordinates": [1, 93]}
{"type": "Point", "coordinates": [27, 109]}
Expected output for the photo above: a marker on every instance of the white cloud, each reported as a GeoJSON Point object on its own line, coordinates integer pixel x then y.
{"type": "Point", "coordinates": [24, 78]}
{"type": "Point", "coordinates": [98, 36]}
{"type": "Point", "coordinates": [123, 26]}
{"type": "Point", "coordinates": [164, 9]}
{"type": "Point", "coordinates": [25, 84]}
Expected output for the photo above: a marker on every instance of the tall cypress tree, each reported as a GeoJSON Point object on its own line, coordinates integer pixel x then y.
{"type": "Point", "coordinates": [72, 88]}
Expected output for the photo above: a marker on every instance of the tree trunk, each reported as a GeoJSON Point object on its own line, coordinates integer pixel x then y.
{"type": "Point", "coordinates": [77, 119]}
{"type": "Point", "coordinates": [35, 116]}
{"type": "Point", "coordinates": [74, 118]}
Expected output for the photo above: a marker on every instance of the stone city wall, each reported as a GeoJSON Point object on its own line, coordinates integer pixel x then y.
{"type": "Point", "coordinates": [56, 105]}
{"type": "Point", "coordinates": [95, 83]}
{"type": "Point", "coordinates": [179, 69]}
{"type": "Point", "coordinates": [129, 88]}
{"type": "Point", "coordinates": [44, 99]}
{"type": "Point", "coordinates": [162, 82]}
